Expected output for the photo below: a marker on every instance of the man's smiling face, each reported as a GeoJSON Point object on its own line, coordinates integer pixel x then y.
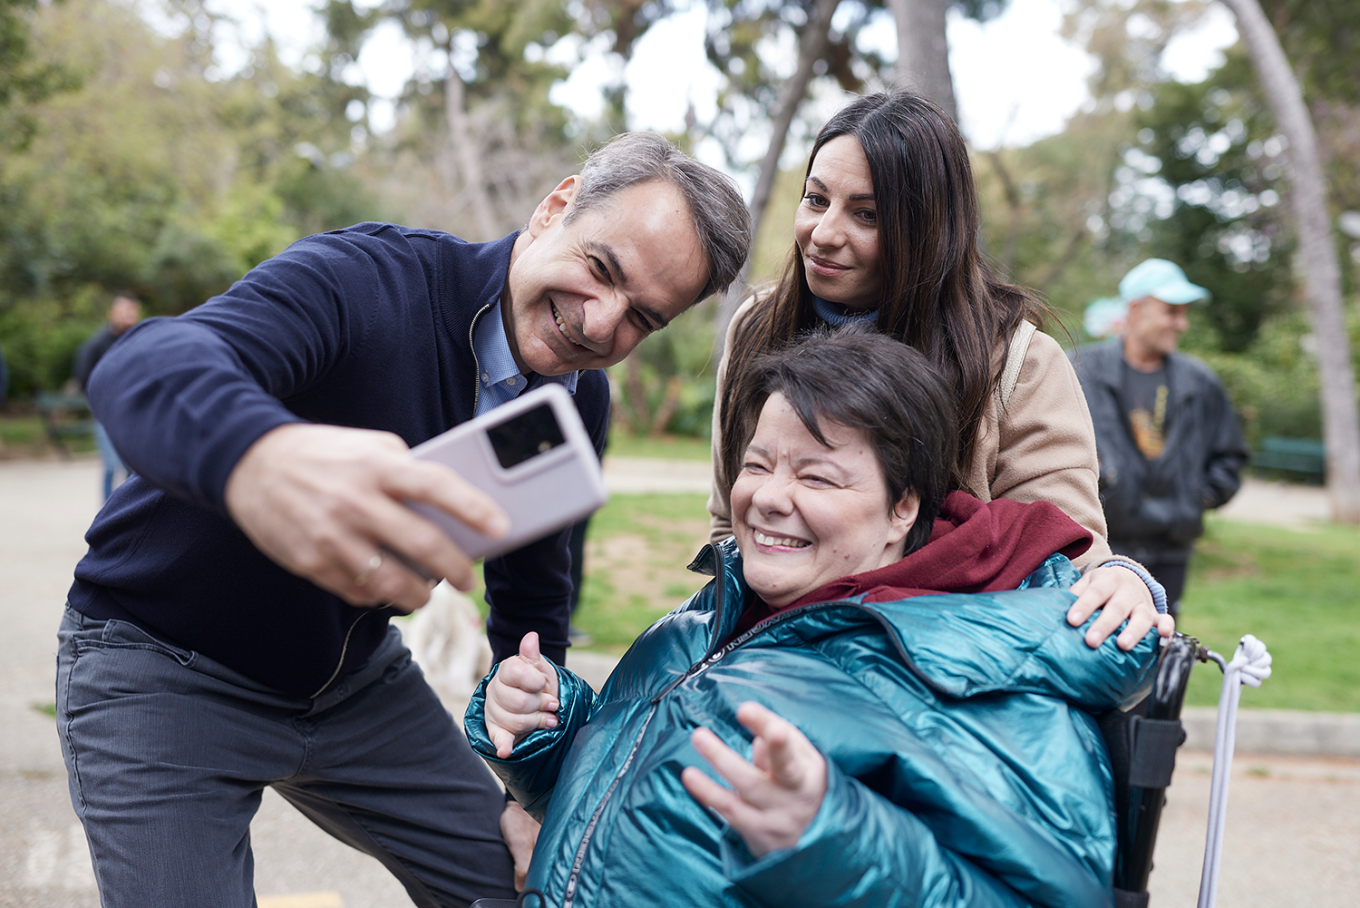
{"type": "Point", "coordinates": [582, 293]}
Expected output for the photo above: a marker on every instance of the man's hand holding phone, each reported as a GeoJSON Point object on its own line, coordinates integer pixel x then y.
{"type": "Point", "coordinates": [357, 513]}
{"type": "Point", "coordinates": [533, 456]}
{"type": "Point", "coordinates": [330, 504]}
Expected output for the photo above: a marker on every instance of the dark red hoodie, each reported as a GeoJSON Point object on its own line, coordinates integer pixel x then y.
{"type": "Point", "coordinates": [974, 547]}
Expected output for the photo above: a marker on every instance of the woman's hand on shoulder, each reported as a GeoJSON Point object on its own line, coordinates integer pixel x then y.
{"type": "Point", "coordinates": [1119, 594]}
{"type": "Point", "coordinates": [521, 697]}
{"type": "Point", "coordinates": [774, 796]}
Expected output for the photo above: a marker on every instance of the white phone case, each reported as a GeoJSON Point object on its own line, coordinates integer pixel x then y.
{"type": "Point", "coordinates": [554, 486]}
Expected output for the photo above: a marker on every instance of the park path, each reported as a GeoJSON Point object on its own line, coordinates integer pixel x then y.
{"type": "Point", "coordinates": [1293, 822]}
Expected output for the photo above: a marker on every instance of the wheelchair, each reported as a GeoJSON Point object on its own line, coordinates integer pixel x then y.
{"type": "Point", "coordinates": [1142, 744]}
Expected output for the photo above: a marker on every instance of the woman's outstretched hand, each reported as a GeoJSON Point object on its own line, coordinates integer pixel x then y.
{"type": "Point", "coordinates": [774, 798]}
{"type": "Point", "coordinates": [1120, 594]}
{"type": "Point", "coordinates": [521, 697]}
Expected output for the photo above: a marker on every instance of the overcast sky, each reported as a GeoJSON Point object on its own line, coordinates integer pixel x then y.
{"type": "Point", "coordinates": [1016, 79]}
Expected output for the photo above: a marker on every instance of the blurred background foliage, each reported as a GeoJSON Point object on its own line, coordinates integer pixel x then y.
{"type": "Point", "coordinates": [131, 159]}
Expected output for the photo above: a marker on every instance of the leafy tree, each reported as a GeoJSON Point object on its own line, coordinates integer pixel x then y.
{"type": "Point", "coordinates": [1215, 146]}
{"type": "Point", "coordinates": [1221, 155]}
{"type": "Point", "coordinates": [25, 79]}
{"type": "Point", "coordinates": [1047, 211]}
{"type": "Point", "coordinates": [1321, 275]}
{"type": "Point", "coordinates": [477, 124]}
{"type": "Point", "coordinates": [160, 175]}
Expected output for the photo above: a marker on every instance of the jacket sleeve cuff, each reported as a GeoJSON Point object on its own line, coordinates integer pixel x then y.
{"type": "Point", "coordinates": [799, 875]}
{"type": "Point", "coordinates": [1156, 589]}
{"type": "Point", "coordinates": [530, 772]}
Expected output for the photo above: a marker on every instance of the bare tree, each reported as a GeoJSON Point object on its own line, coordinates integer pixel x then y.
{"type": "Point", "coordinates": [466, 152]}
{"type": "Point", "coordinates": [923, 50]}
{"type": "Point", "coordinates": [812, 47]}
{"type": "Point", "coordinates": [1321, 270]}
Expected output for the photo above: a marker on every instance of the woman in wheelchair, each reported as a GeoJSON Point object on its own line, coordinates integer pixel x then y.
{"type": "Point", "coordinates": [877, 701]}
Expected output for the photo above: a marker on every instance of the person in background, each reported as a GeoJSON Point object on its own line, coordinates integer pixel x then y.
{"type": "Point", "coordinates": [228, 629]}
{"type": "Point", "coordinates": [124, 312]}
{"type": "Point", "coordinates": [1169, 442]}
{"type": "Point", "coordinates": [887, 234]}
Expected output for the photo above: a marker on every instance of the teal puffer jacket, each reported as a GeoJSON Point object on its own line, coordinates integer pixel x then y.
{"type": "Point", "coordinates": [963, 766]}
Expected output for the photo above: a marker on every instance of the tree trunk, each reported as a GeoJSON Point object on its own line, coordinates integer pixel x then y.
{"type": "Point", "coordinates": [1322, 273]}
{"type": "Point", "coordinates": [670, 405]}
{"type": "Point", "coordinates": [811, 49]}
{"type": "Point", "coordinates": [923, 51]}
{"type": "Point", "coordinates": [1015, 208]}
{"type": "Point", "coordinates": [469, 162]}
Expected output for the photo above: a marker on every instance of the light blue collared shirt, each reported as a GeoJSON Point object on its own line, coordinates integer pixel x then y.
{"type": "Point", "coordinates": [501, 380]}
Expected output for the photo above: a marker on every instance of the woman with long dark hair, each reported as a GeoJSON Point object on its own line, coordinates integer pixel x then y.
{"type": "Point", "coordinates": [887, 233]}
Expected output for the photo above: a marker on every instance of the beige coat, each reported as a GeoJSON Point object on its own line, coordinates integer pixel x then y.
{"type": "Point", "coordinates": [1040, 447]}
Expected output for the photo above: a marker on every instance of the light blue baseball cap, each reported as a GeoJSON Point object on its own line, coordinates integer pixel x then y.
{"type": "Point", "coordinates": [1162, 279]}
{"type": "Point", "coordinates": [1105, 317]}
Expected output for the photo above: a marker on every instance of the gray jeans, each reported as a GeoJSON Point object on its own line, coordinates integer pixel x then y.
{"type": "Point", "coordinates": [168, 753]}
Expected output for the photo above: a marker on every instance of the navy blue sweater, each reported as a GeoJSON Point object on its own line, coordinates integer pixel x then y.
{"type": "Point", "coordinates": [371, 327]}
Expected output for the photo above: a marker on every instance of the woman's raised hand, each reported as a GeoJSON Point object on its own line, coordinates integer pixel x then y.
{"type": "Point", "coordinates": [521, 697]}
{"type": "Point", "coordinates": [772, 799]}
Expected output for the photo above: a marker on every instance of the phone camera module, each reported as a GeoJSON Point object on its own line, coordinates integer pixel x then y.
{"type": "Point", "coordinates": [525, 436]}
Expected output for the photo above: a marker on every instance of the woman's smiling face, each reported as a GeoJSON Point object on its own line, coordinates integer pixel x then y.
{"type": "Point", "coordinates": [805, 514]}
{"type": "Point", "coordinates": [836, 227]}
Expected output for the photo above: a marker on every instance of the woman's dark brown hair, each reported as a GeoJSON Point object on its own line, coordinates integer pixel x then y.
{"type": "Point", "coordinates": [858, 378]}
{"type": "Point", "coordinates": [939, 294]}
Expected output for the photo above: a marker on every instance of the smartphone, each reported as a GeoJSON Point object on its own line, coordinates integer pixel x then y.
{"type": "Point", "coordinates": [533, 456]}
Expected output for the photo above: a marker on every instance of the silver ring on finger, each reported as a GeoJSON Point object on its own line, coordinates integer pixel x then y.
{"type": "Point", "coordinates": [369, 570]}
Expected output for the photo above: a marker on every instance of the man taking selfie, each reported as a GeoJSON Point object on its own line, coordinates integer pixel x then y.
{"type": "Point", "coordinates": [228, 628]}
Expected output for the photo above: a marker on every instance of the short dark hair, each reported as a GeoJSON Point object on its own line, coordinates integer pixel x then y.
{"type": "Point", "coordinates": [718, 212]}
{"type": "Point", "coordinates": [867, 381]}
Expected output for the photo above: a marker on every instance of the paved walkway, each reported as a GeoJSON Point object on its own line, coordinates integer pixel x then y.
{"type": "Point", "coordinates": [1294, 821]}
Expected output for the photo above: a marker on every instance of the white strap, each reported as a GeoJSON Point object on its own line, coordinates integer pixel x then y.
{"type": "Point", "coordinates": [1015, 359]}
{"type": "Point", "coordinates": [1249, 665]}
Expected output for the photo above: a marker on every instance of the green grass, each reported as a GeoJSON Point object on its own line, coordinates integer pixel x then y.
{"type": "Point", "coordinates": [22, 431]}
{"type": "Point", "coordinates": [664, 447]}
{"type": "Point", "coordinates": [1298, 591]}
{"type": "Point", "coordinates": [637, 547]}
{"type": "Point", "coordinates": [25, 436]}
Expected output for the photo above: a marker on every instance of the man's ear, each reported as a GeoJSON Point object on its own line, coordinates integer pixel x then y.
{"type": "Point", "coordinates": [556, 203]}
{"type": "Point", "coordinates": [903, 516]}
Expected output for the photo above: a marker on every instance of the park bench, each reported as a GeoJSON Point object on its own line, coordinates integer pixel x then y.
{"type": "Point", "coordinates": [1304, 457]}
{"type": "Point", "coordinates": [66, 418]}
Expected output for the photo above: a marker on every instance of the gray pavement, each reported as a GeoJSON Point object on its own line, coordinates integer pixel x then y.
{"type": "Point", "coordinates": [1293, 820]}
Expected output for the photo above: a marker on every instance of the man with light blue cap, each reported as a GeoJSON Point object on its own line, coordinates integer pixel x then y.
{"type": "Point", "coordinates": [1169, 444]}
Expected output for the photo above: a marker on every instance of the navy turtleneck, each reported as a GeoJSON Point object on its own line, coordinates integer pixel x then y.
{"type": "Point", "coordinates": [838, 316]}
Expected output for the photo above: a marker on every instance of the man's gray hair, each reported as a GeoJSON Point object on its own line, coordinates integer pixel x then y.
{"type": "Point", "coordinates": [718, 212]}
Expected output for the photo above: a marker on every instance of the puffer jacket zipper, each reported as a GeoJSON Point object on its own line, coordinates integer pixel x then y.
{"type": "Point", "coordinates": [573, 879]}
{"type": "Point", "coordinates": [712, 656]}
